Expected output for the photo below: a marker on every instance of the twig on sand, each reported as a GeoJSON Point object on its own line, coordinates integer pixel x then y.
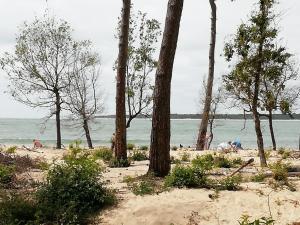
{"type": "Point", "coordinates": [242, 166]}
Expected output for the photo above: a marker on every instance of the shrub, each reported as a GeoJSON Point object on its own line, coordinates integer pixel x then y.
{"type": "Point", "coordinates": [115, 163]}
{"type": "Point", "coordinates": [231, 183]}
{"type": "Point", "coordinates": [144, 148]}
{"type": "Point", "coordinates": [106, 154]}
{"type": "Point", "coordinates": [222, 162]}
{"type": "Point", "coordinates": [286, 154]}
{"type": "Point", "coordinates": [261, 221]}
{"type": "Point", "coordinates": [185, 157]}
{"type": "Point", "coordinates": [260, 177]}
{"type": "Point", "coordinates": [174, 148]}
{"type": "Point", "coordinates": [17, 209]}
{"type": "Point", "coordinates": [11, 150]}
{"type": "Point", "coordinates": [237, 161]}
{"type": "Point", "coordinates": [205, 162]}
{"type": "Point", "coordinates": [279, 170]}
{"type": "Point", "coordinates": [75, 145]}
{"type": "Point", "coordinates": [72, 191]}
{"type": "Point", "coordinates": [139, 155]}
{"type": "Point", "coordinates": [174, 160]}
{"type": "Point", "coordinates": [144, 187]}
{"type": "Point", "coordinates": [6, 174]}
{"type": "Point", "coordinates": [130, 146]}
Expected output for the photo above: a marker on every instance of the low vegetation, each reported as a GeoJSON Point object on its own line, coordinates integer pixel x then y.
{"type": "Point", "coordinates": [139, 155]}
{"type": "Point", "coordinates": [130, 146]}
{"type": "Point", "coordinates": [104, 153]}
{"type": "Point", "coordinates": [245, 220]}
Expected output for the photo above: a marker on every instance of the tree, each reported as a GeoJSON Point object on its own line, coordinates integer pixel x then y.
{"type": "Point", "coordinates": [216, 100]}
{"type": "Point", "coordinates": [83, 98]}
{"type": "Point", "coordinates": [160, 133]}
{"type": "Point", "coordinates": [275, 94]}
{"type": "Point", "coordinates": [143, 37]}
{"type": "Point", "coordinates": [44, 55]}
{"type": "Point", "coordinates": [257, 58]}
{"type": "Point", "coordinates": [210, 80]}
{"type": "Point", "coordinates": [120, 145]}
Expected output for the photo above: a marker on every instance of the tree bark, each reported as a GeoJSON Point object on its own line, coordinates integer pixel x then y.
{"type": "Point", "coordinates": [210, 79]}
{"type": "Point", "coordinates": [270, 117]}
{"type": "Point", "coordinates": [120, 147]}
{"type": "Point", "coordinates": [160, 133]}
{"type": "Point", "coordinates": [57, 118]}
{"type": "Point", "coordinates": [87, 134]}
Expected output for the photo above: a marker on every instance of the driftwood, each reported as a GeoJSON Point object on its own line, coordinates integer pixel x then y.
{"type": "Point", "coordinates": [31, 150]}
{"type": "Point", "coordinates": [242, 167]}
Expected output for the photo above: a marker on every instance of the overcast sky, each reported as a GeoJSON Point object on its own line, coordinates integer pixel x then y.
{"type": "Point", "coordinates": [96, 20]}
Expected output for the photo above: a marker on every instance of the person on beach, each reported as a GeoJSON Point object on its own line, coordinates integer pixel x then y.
{"type": "Point", "coordinates": [37, 144]}
{"type": "Point", "coordinates": [113, 141]}
{"type": "Point", "coordinates": [207, 140]}
{"type": "Point", "coordinates": [225, 147]}
{"type": "Point", "coordinates": [237, 145]}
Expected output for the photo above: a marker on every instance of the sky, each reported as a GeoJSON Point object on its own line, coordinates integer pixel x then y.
{"type": "Point", "coordinates": [96, 20]}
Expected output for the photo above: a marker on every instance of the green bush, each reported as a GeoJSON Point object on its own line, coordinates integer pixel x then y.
{"type": "Point", "coordinates": [237, 161]}
{"type": "Point", "coordinates": [106, 154]}
{"type": "Point", "coordinates": [16, 209]}
{"type": "Point", "coordinates": [260, 177]}
{"type": "Point", "coordinates": [205, 162]}
{"type": "Point", "coordinates": [281, 150]}
{"type": "Point", "coordinates": [286, 154]}
{"type": "Point", "coordinates": [279, 170]}
{"type": "Point", "coordinates": [72, 191]}
{"type": "Point", "coordinates": [11, 150]}
{"type": "Point", "coordinates": [115, 163]}
{"type": "Point", "coordinates": [75, 145]}
{"type": "Point", "coordinates": [174, 160]}
{"type": "Point", "coordinates": [139, 155]}
{"type": "Point", "coordinates": [230, 183]}
{"type": "Point", "coordinates": [144, 187]}
{"type": "Point", "coordinates": [185, 157]}
{"type": "Point", "coordinates": [130, 146]}
{"type": "Point", "coordinates": [222, 162]}
{"type": "Point", "coordinates": [6, 174]}
{"type": "Point", "coordinates": [245, 220]}
{"type": "Point", "coordinates": [144, 148]}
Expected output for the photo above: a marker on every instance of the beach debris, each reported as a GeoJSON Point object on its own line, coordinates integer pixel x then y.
{"type": "Point", "coordinates": [242, 166]}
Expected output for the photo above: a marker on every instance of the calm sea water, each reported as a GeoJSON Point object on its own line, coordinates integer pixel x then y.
{"type": "Point", "coordinates": [23, 131]}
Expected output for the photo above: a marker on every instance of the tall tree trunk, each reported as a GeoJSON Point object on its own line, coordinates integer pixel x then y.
{"type": "Point", "coordinates": [270, 117]}
{"type": "Point", "coordinates": [210, 79]}
{"type": "Point", "coordinates": [57, 118]}
{"type": "Point", "coordinates": [87, 134]}
{"type": "Point", "coordinates": [121, 148]}
{"type": "Point", "coordinates": [160, 133]}
{"type": "Point", "coordinates": [257, 81]}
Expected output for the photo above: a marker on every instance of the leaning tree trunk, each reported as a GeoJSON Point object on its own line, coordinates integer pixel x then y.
{"type": "Point", "coordinates": [160, 133]}
{"type": "Point", "coordinates": [210, 79]}
{"type": "Point", "coordinates": [87, 134]}
{"type": "Point", "coordinates": [270, 117]}
{"type": "Point", "coordinates": [57, 118]}
{"type": "Point", "coordinates": [120, 146]}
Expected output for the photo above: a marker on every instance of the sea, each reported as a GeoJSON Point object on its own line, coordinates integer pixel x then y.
{"type": "Point", "coordinates": [183, 131]}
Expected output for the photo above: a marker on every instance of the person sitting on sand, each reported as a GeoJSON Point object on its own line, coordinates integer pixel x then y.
{"type": "Point", "coordinates": [225, 146]}
{"type": "Point", "coordinates": [37, 144]}
{"type": "Point", "coordinates": [237, 144]}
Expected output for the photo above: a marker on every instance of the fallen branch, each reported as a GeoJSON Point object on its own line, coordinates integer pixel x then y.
{"type": "Point", "coordinates": [242, 166]}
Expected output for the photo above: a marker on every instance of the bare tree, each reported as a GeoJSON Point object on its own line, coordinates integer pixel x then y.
{"type": "Point", "coordinates": [210, 79]}
{"type": "Point", "coordinates": [44, 55]}
{"type": "Point", "coordinates": [120, 145]}
{"type": "Point", "coordinates": [83, 98]}
{"type": "Point", "coordinates": [160, 133]}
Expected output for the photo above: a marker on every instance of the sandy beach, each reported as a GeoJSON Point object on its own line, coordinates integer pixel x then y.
{"type": "Point", "coordinates": [191, 206]}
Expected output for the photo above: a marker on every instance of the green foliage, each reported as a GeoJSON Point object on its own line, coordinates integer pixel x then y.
{"type": "Point", "coordinates": [6, 174]}
{"type": "Point", "coordinates": [245, 220]}
{"type": "Point", "coordinates": [237, 161]}
{"type": "Point", "coordinates": [174, 160]}
{"type": "Point", "coordinates": [144, 187]}
{"type": "Point", "coordinates": [205, 162]}
{"type": "Point", "coordinates": [139, 155]}
{"type": "Point", "coordinates": [279, 170]}
{"type": "Point", "coordinates": [130, 146]}
{"type": "Point", "coordinates": [115, 163]}
{"type": "Point", "coordinates": [185, 157]}
{"type": "Point", "coordinates": [11, 150]}
{"type": "Point", "coordinates": [230, 183]}
{"type": "Point", "coordinates": [143, 148]}
{"type": "Point", "coordinates": [260, 177]}
{"type": "Point", "coordinates": [72, 191]}
{"type": "Point", "coordinates": [281, 150]}
{"type": "Point", "coordinates": [104, 153]}
{"type": "Point", "coordinates": [75, 145]}
{"type": "Point", "coordinates": [17, 209]}
{"type": "Point", "coordinates": [222, 162]}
